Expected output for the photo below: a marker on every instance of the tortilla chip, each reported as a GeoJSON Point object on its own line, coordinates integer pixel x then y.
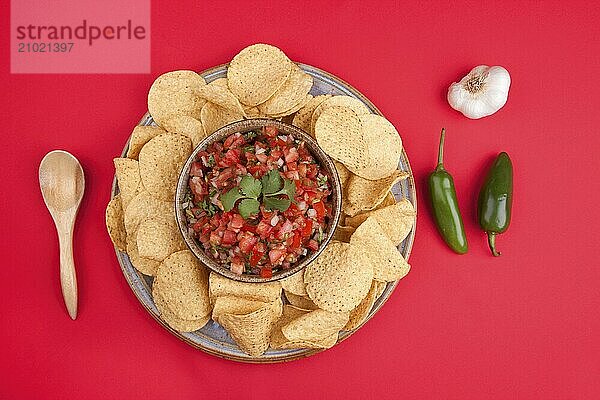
{"type": "Point", "coordinates": [265, 292]}
{"type": "Point", "coordinates": [221, 96]}
{"type": "Point", "coordinates": [252, 331]}
{"type": "Point", "coordinates": [179, 324]}
{"type": "Point", "coordinates": [339, 133]}
{"type": "Point", "coordinates": [234, 305]}
{"type": "Point", "coordinates": [315, 326]}
{"type": "Point", "coordinates": [352, 103]}
{"type": "Point", "coordinates": [115, 223]}
{"type": "Point", "coordinates": [284, 116]}
{"type": "Point", "coordinates": [303, 116]}
{"type": "Point", "coordinates": [175, 93]}
{"type": "Point", "coordinates": [279, 341]}
{"type": "Point", "coordinates": [145, 265]}
{"type": "Point", "coordinates": [252, 112]}
{"type": "Point", "coordinates": [294, 284]}
{"type": "Point", "coordinates": [158, 238]}
{"type": "Point", "coordinates": [384, 147]}
{"type": "Point", "coordinates": [292, 93]}
{"type": "Point", "coordinates": [338, 279]}
{"type": "Point", "coordinates": [343, 233]}
{"type": "Point", "coordinates": [303, 302]}
{"type": "Point", "coordinates": [184, 285]}
{"type": "Point", "coordinates": [396, 220]}
{"type": "Point", "coordinates": [257, 72]}
{"type": "Point", "coordinates": [388, 264]}
{"type": "Point", "coordinates": [144, 206]}
{"type": "Point", "coordinates": [343, 172]}
{"type": "Point", "coordinates": [380, 288]}
{"type": "Point", "coordinates": [361, 312]}
{"type": "Point", "coordinates": [187, 126]}
{"type": "Point", "coordinates": [161, 160]}
{"type": "Point", "coordinates": [220, 82]}
{"type": "Point", "coordinates": [214, 117]}
{"type": "Point", "coordinates": [365, 195]}
{"type": "Point", "coordinates": [139, 137]}
{"type": "Point", "coordinates": [128, 179]}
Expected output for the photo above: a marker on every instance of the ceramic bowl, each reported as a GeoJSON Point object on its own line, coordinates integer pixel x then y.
{"type": "Point", "coordinates": [242, 127]}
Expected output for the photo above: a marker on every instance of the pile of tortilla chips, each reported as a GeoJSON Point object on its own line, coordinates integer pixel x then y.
{"type": "Point", "coordinates": [335, 292]}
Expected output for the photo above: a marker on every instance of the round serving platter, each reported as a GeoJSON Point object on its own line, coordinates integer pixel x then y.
{"type": "Point", "coordinates": [212, 338]}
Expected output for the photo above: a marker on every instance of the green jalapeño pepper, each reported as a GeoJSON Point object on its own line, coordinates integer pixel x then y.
{"type": "Point", "coordinates": [495, 200]}
{"type": "Point", "coordinates": [445, 206]}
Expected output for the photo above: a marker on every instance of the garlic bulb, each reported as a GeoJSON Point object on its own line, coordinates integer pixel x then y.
{"type": "Point", "coordinates": [481, 93]}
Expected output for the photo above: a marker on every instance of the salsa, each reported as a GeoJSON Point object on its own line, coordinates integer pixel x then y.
{"type": "Point", "coordinates": [257, 202]}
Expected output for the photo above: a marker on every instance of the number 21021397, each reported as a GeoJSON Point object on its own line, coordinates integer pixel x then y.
{"type": "Point", "coordinates": [45, 47]}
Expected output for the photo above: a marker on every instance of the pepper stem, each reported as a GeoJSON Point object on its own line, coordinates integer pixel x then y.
{"type": "Point", "coordinates": [441, 148]}
{"type": "Point", "coordinates": [492, 243]}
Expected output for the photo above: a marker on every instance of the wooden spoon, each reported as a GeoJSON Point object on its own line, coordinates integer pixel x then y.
{"type": "Point", "coordinates": [62, 184]}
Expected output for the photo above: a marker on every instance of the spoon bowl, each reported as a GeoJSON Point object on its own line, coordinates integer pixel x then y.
{"type": "Point", "coordinates": [62, 183]}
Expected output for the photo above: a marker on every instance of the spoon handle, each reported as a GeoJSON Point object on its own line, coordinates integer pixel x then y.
{"type": "Point", "coordinates": [68, 278]}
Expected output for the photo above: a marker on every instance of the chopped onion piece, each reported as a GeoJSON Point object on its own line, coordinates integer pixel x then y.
{"type": "Point", "coordinates": [274, 220]}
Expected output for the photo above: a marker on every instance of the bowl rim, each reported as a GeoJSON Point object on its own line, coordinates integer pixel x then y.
{"type": "Point", "coordinates": [244, 126]}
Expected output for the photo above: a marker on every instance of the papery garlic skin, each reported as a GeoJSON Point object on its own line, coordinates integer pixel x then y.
{"type": "Point", "coordinates": [481, 93]}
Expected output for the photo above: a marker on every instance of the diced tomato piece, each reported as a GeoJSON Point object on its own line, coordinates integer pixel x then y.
{"type": "Point", "coordinates": [232, 157]}
{"type": "Point", "coordinates": [264, 228]}
{"type": "Point", "coordinates": [237, 221]}
{"type": "Point", "coordinates": [309, 194]}
{"type": "Point", "coordinates": [204, 239]}
{"type": "Point", "coordinates": [224, 177]}
{"type": "Point", "coordinates": [291, 155]}
{"type": "Point", "coordinates": [200, 224]}
{"type": "Point", "coordinates": [237, 265]}
{"type": "Point", "coordinates": [255, 170]}
{"type": "Point", "coordinates": [198, 187]}
{"type": "Point", "coordinates": [275, 154]}
{"type": "Point", "coordinates": [239, 140]}
{"type": "Point", "coordinates": [270, 131]}
{"type": "Point", "coordinates": [302, 170]}
{"type": "Point", "coordinates": [249, 228]}
{"type": "Point", "coordinates": [258, 252]}
{"type": "Point", "coordinates": [215, 239]}
{"type": "Point", "coordinates": [266, 272]}
{"type": "Point", "coordinates": [294, 175]}
{"type": "Point", "coordinates": [312, 171]}
{"type": "Point", "coordinates": [319, 207]}
{"type": "Point", "coordinates": [232, 139]}
{"type": "Point", "coordinates": [286, 228]}
{"type": "Point", "coordinates": [307, 229]}
{"type": "Point", "coordinates": [196, 169]}
{"type": "Point", "coordinates": [296, 242]}
{"type": "Point", "coordinates": [292, 211]}
{"type": "Point", "coordinates": [229, 238]}
{"type": "Point", "coordinates": [313, 245]}
{"type": "Point", "coordinates": [249, 156]}
{"type": "Point", "coordinates": [262, 157]}
{"type": "Point", "coordinates": [276, 256]}
{"type": "Point", "coordinates": [247, 242]}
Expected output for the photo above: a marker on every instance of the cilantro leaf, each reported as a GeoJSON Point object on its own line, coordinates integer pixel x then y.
{"type": "Point", "coordinates": [229, 198]}
{"type": "Point", "coordinates": [271, 182]}
{"type": "Point", "coordinates": [247, 207]}
{"type": "Point", "coordinates": [273, 203]}
{"type": "Point", "coordinates": [250, 187]}
{"type": "Point", "coordinates": [289, 189]}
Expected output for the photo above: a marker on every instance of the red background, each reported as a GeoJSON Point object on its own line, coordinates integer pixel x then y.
{"type": "Point", "coordinates": [525, 325]}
